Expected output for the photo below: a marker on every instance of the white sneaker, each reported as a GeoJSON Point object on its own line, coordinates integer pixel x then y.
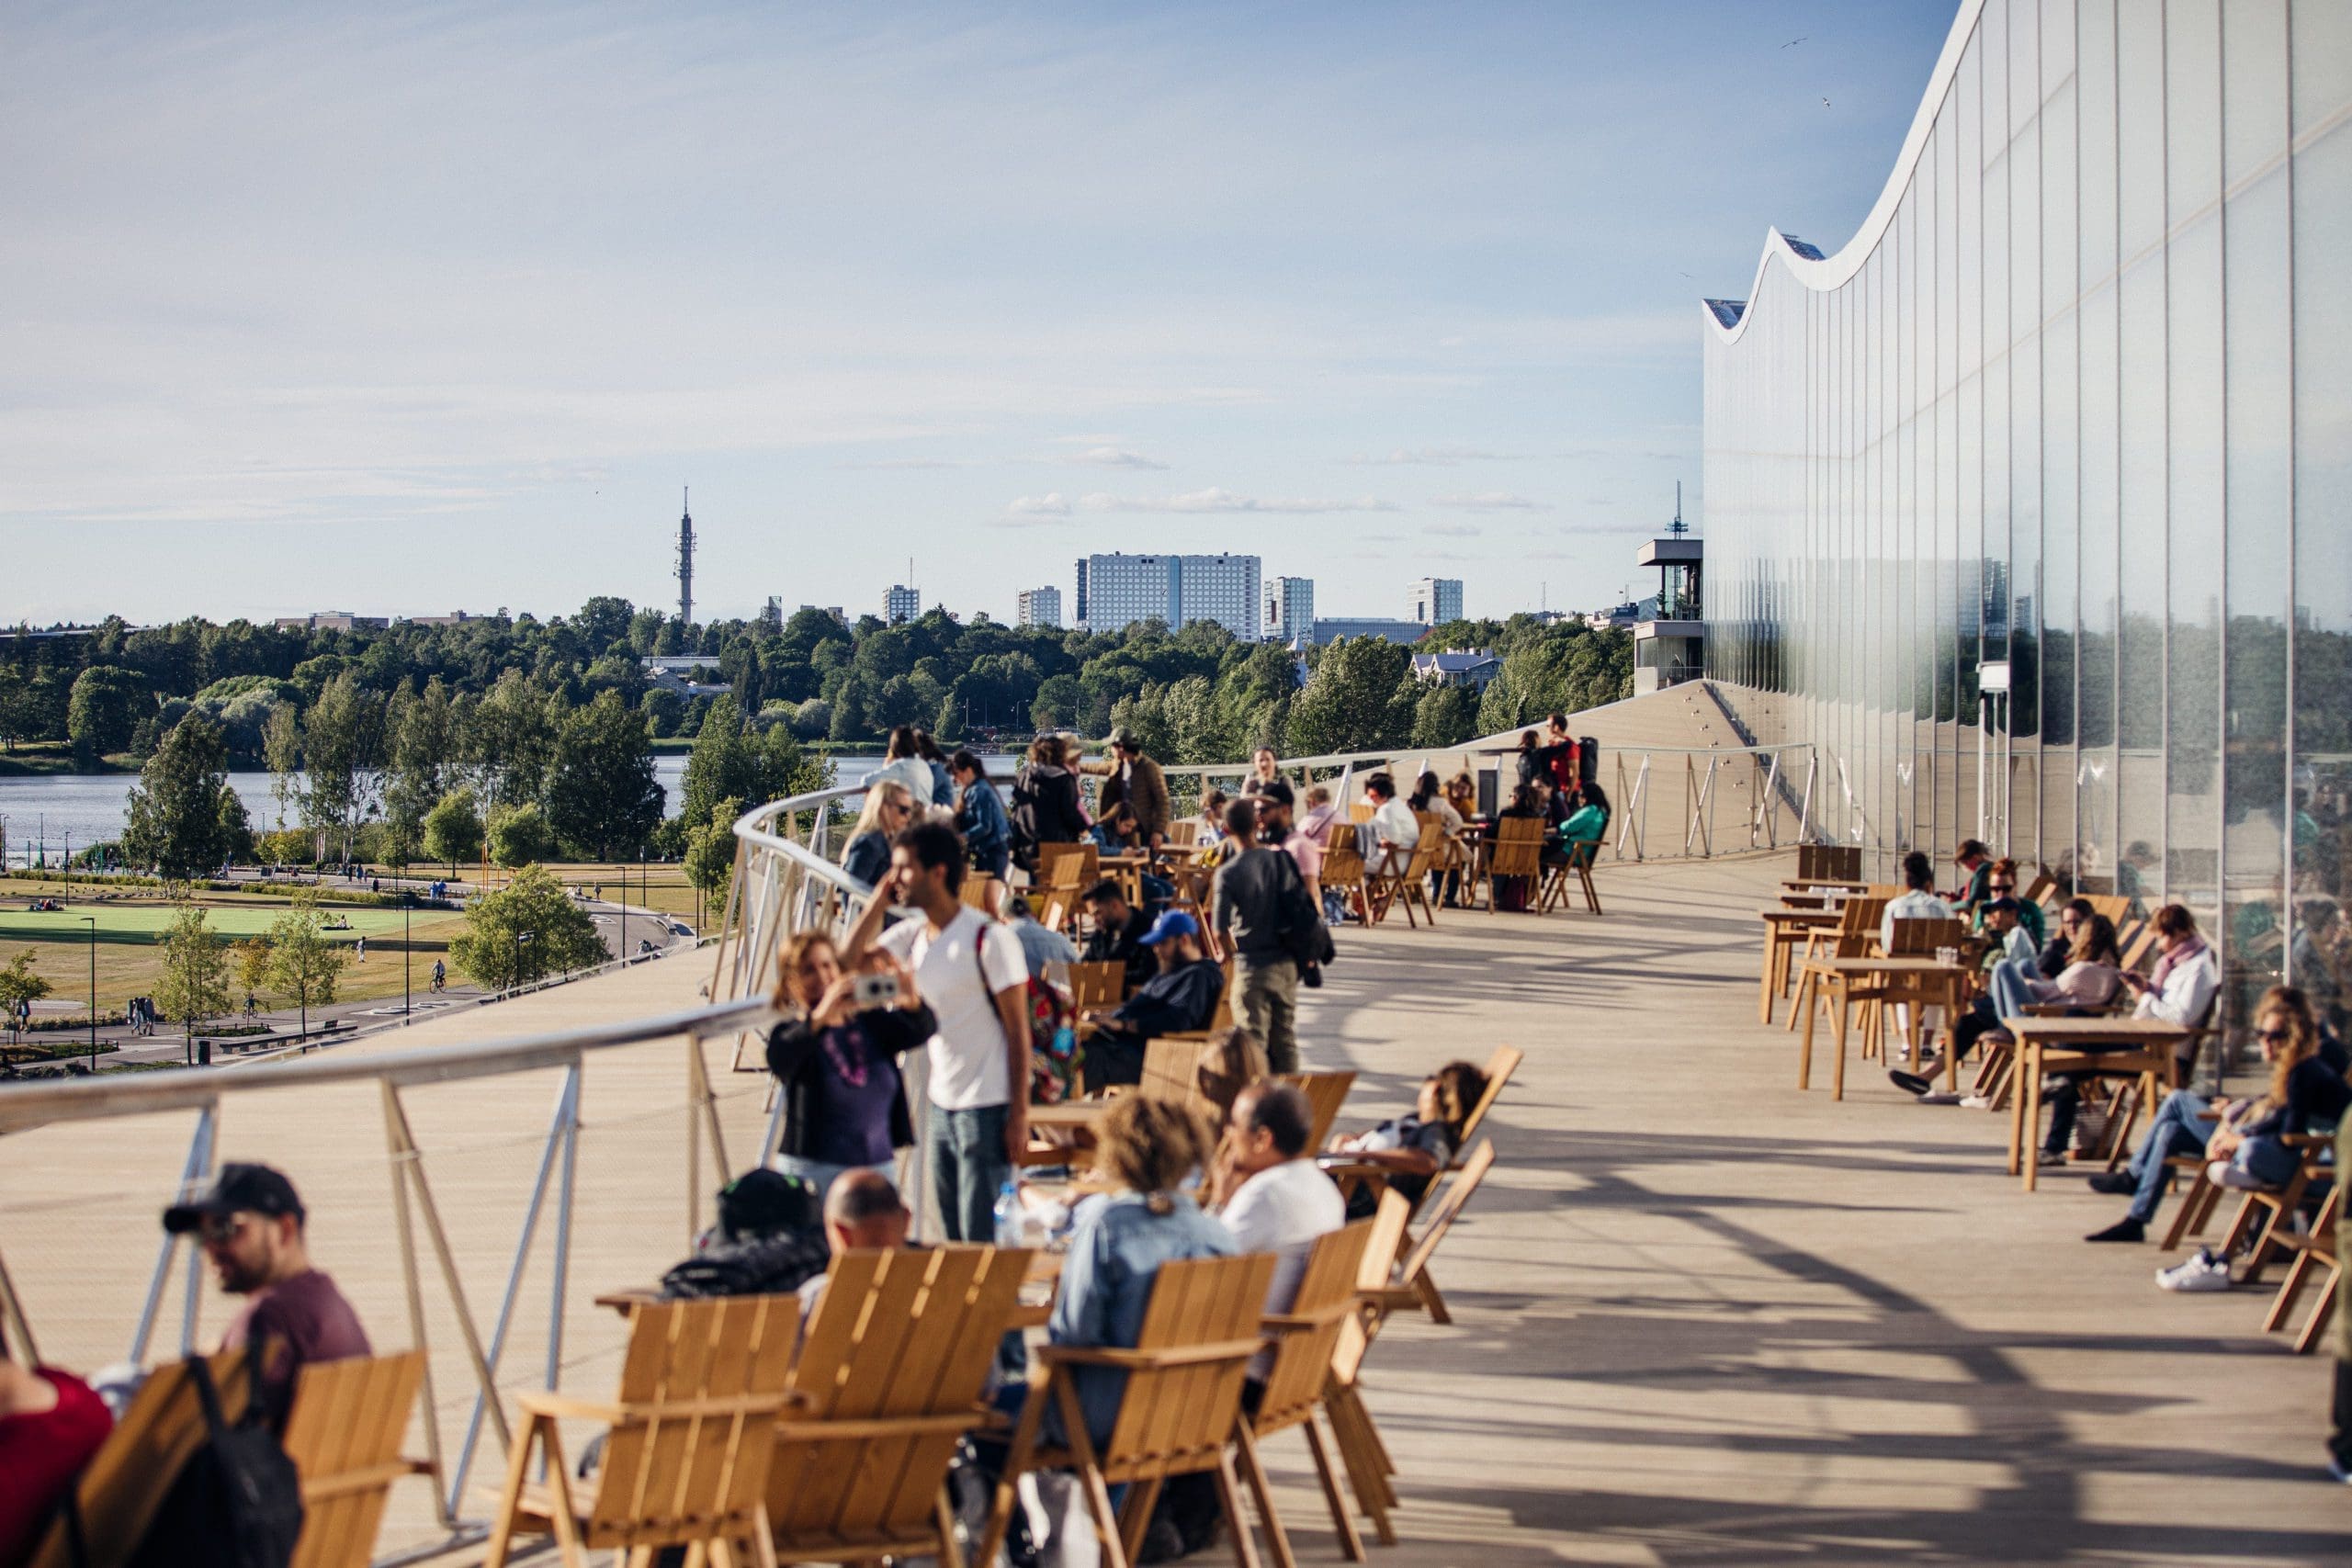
{"type": "Point", "coordinates": [2202, 1272]}
{"type": "Point", "coordinates": [2236, 1178]}
{"type": "Point", "coordinates": [1974, 1102]}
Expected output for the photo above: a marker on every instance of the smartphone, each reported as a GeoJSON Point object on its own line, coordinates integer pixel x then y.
{"type": "Point", "coordinates": [875, 991]}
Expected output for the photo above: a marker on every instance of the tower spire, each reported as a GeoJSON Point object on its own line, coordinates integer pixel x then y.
{"type": "Point", "coordinates": [685, 571]}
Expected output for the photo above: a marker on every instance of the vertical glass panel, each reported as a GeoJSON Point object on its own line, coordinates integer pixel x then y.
{"type": "Point", "coordinates": [2053, 621]}
{"type": "Point", "coordinates": [2015, 594]}
{"type": "Point", "coordinates": [2196, 492]}
{"type": "Point", "coordinates": [2321, 823]}
{"type": "Point", "coordinates": [2097, 848]}
{"type": "Point", "coordinates": [2142, 523]}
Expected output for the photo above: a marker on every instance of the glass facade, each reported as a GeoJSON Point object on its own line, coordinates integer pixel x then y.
{"type": "Point", "coordinates": [2074, 408]}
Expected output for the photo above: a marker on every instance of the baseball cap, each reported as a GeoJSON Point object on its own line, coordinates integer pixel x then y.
{"type": "Point", "coordinates": [1122, 735]}
{"type": "Point", "coordinates": [1276, 790]}
{"type": "Point", "coordinates": [1998, 906]}
{"type": "Point", "coordinates": [1172, 922]}
{"type": "Point", "coordinates": [240, 1190]}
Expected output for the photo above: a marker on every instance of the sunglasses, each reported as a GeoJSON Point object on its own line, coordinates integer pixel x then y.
{"type": "Point", "coordinates": [2003, 887]}
{"type": "Point", "coordinates": [2273, 1036]}
{"type": "Point", "coordinates": [218, 1230]}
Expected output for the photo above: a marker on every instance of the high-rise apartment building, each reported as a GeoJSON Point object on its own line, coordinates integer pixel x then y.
{"type": "Point", "coordinates": [1290, 610]}
{"type": "Point", "coordinates": [1437, 600]}
{"type": "Point", "coordinates": [1040, 607]}
{"type": "Point", "coordinates": [1118, 589]}
{"type": "Point", "coordinates": [901, 604]}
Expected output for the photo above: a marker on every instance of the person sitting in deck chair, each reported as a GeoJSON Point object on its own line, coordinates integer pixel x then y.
{"type": "Point", "coordinates": [863, 1213]}
{"type": "Point", "coordinates": [1412, 1151]}
{"type": "Point", "coordinates": [1179, 1000]}
{"type": "Point", "coordinates": [769, 1239]}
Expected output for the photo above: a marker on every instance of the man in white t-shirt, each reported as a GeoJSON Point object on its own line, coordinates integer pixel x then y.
{"type": "Point", "coordinates": [1287, 1201]}
{"type": "Point", "coordinates": [1395, 829]}
{"type": "Point", "coordinates": [972, 973]}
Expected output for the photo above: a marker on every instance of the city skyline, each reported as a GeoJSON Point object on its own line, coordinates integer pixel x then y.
{"type": "Point", "coordinates": [455, 305]}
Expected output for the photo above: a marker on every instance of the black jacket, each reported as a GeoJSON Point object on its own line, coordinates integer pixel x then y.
{"type": "Point", "coordinates": [1179, 1002]}
{"type": "Point", "coordinates": [1044, 807]}
{"type": "Point", "coordinates": [795, 1059]}
{"type": "Point", "coordinates": [1124, 946]}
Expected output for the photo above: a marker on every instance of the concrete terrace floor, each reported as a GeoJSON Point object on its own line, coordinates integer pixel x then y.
{"type": "Point", "coordinates": [1701, 1317]}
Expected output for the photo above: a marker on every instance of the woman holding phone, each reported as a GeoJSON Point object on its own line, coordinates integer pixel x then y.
{"type": "Point", "coordinates": [836, 1054]}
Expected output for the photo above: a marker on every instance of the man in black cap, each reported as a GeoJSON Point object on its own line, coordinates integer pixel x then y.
{"type": "Point", "coordinates": [250, 1226]}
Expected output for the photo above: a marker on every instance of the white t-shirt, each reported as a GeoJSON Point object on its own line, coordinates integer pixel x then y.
{"type": "Point", "coordinates": [1394, 824]}
{"type": "Point", "coordinates": [1282, 1210]}
{"type": "Point", "coordinates": [967, 1055]}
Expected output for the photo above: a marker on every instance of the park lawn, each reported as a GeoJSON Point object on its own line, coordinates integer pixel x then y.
{"type": "Point", "coordinates": [130, 962]}
{"type": "Point", "coordinates": [230, 917]}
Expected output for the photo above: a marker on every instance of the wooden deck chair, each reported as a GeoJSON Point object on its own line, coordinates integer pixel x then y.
{"type": "Point", "coordinates": [1343, 867]}
{"type": "Point", "coordinates": [1326, 1093]}
{"type": "Point", "coordinates": [1578, 864]}
{"type": "Point", "coordinates": [1184, 832]}
{"type": "Point", "coordinates": [1172, 1066]}
{"type": "Point", "coordinates": [124, 1485]}
{"type": "Point", "coordinates": [1853, 937]}
{"type": "Point", "coordinates": [979, 892]}
{"type": "Point", "coordinates": [344, 1435]}
{"type": "Point", "coordinates": [1415, 1286]}
{"type": "Point", "coordinates": [1360, 811]}
{"type": "Point", "coordinates": [2315, 1262]}
{"type": "Point", "coordinates": [1407, 885]}
{"type": "Point", "coordinates": [1501, 1063]}
{"type": "Point", "coordinates": [890, 1376]}
{"type": "Point", "coordinates": [1180, 1413]}
{"type": "Point", "coordinates": [1361, 1452]}
{"type": "Point", "coordinates": [1097, 985]}
{"type": "Point", "coordinates": [2043, 890]}
{"type": "Point", "coordinates": [1066, 879]}
{"type": "Point", "coordinates": [1305, 1337]}
{"type": "Point", "coordinates": [685, 1460]}
{"type": "Point", "coordinates": [2116, 907]}
{"type": "Point", "coordinates": [1517, 852]}
{"type": "Point", "coordinates": [2266, 1215]}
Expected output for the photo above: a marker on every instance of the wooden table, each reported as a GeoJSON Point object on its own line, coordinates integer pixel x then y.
{"type": "Point", "coordinates": [1783, 929]}
{"type": "Point", "coordinates": [1807, 884]}
{"type": "Point", "coordinates": [2111, 1047]}
{"type": "Point", "coordinates": [1084, 1115]}
{"type": "Point", "coordinates": [1922, 982]}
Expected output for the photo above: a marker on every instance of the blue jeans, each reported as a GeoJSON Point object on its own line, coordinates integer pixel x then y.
{"type": "Point", "coordinates": [2175, 1130]}
{"type": "Point", "coordinates": [2012, 987]}
{"type": "Point", "coordinates": [968, 1167]}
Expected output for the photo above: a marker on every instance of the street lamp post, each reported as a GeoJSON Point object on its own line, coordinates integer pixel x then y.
{"type": "Point", "coordinates": [407, 1003]}
{"type": "Point", "coordinates": [92, 922]}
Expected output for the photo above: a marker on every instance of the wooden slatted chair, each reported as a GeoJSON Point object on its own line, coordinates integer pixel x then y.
{"type": "Point", "coordinates": [1171, 1066]}
{"type": "Point", "coordinates": [1407, 885]}
{"type": "Point", "coordinates": [1305, 1337]}
{"type": "Point", "coordinates": [2116, 907]}
{"type": "Point", "coordinates": [889, 1377]}
{"type": "Point", "coordinates": [1067, 872]}
{"type": "Point", "coordinates": [125, 1483]}
{"type": "Point", "coordinates": [1415, 1286]}
{"type": "Point", "coordinates": [1343, 867]}
{"type": "Point", "coordinates": [2315, 1262]}
{"type": "Point", "coordinates": [1361, 1452]}
{"type": "Point", "coordinates": [2043, 890]}
{"type": "Point", "coordinates": [1501, 1063]}
{"type": "Point", "coordinates": [2266, 1213]}
{"type": "Point", "coordinates": [344, 1435]}
{"type": "Point", "coordinates": [1179, 1415]}
{"type": "Point", "coordinates": [1326, 1093]}
{"type": "Point", "coordinates": [689, 1434]}
{"type": "Point", "coordinates": [979, 892]}
{"type": "Point", "coordinates": [1579, 865]}
{"type": "Point", "coordinates": [1184, 833]}
{"type": "Point", "coordinates": [1853, 937]}
{"type": "Point", "coordinates": [1517, 852]}
{"type": "Point", "coordinates": [1097, 985]}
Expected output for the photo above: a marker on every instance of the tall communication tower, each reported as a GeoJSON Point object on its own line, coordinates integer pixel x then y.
{"type": "Point", "coordinates": [685, 568]}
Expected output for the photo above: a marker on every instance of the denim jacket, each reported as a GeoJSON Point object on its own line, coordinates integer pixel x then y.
{"type": "Point", "coordinates": [1115, 1251]}
{"type": "Point", "coordinates": [981, 820]}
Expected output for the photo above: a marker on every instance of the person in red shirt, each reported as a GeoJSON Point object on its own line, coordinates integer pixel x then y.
{"type": "Point", "coordinates": [251, 1225]}
{"type": "Point", "coordinates": [49, 1425]}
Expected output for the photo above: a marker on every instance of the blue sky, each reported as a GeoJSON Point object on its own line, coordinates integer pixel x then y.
{"type": "Point", "coordinates": [405, 310]}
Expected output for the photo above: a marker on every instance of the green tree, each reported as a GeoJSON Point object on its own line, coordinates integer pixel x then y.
{"type": "Point", "coordinates": [519, 836]}
{"type": "Point", "coordinates": [1359, 698]}
{"type": "Point", "coordinates": [343, 754]}
{"type": "Point", "coordinates": [525, 932]}
{"type": "Point", "coordinates": [453, 830]}
{"type": "Point", "coordinates": [305, 967]}
{"type": "Point", "coordinates": [282, 750]}
{"type": "Point", "coordinates": [1445, 717]}
{"type": "Point", "coordinates": [104, 710]}
{"type": "Point", "coordinates": [512, 738]}
{"type": "Point", "coordinates": [194, 984]}
{"type": "Point", "coordinates": [20, 986]}
{"type": "Point", "coordinates": [182, 816]}
{"type": "Point", "coordinates": [709, 859]}
{"type": "Point", "coordinates": [602, 797]}
{"type": "Point", "coordinates": [722, 766]}
{"type": "Point", "coordinates": [19, 716]}
{"type": "Point", "coordinates": [423, 746]}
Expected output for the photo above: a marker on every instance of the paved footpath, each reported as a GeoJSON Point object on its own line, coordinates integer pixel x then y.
{"type": "Point", "coordinates": [1701, 1318]}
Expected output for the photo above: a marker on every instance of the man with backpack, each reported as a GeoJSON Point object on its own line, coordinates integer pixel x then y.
{"type": "Point", "coordinates": [1261, 902]}
{"type": "Point", "coordinates": [251, 1225]}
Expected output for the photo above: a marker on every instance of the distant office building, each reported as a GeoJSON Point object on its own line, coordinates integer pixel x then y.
{"type": "Point", "coordinates": [333, 621]}
{"type": "Point", "coordinates": [835, 610]}
{"type": "Point", "coordinates": [454, 618]}
{"type": "Point", "coordinates": [1437, 600]}
{"type": "Point", "coordinates": [772, 614]}
{"type": "Point", "coordinates": [1392, 629]}
{"type": "Point", "coordinates": [901, 604]}
{"type": "Point", "coordinates": [1290, 610]}
{"type": "Point", "coordinates": [1039, 607]}
{"type": "Point", "coordinates": [1116, 589]}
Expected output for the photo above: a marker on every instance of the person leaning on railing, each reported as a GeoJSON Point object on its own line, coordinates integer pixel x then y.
{"type": "Point", "coordinates": [1045, 809]}
{"type": "Point", "coordinates": [980, 816]}
{"type": "Point", "coordinates": [889, 807]}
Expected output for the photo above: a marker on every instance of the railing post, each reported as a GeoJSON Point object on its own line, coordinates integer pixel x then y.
{"type": "Point", "coordinates": [193, 1172]}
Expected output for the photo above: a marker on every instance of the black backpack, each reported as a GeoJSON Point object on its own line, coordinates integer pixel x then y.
{"type": "Point", "coordinates": [1298, 924]}
{"type": "Point", "coordinates": [238, 1501]}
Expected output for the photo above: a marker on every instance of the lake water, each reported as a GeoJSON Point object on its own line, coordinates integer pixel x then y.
{"type": "Point", "coordinates": [86, 809]}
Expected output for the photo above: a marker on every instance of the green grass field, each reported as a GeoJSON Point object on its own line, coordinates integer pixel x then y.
{"type": "Point", "coordinates": [230, 919]}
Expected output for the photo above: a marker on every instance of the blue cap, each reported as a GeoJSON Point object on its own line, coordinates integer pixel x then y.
{"type": "Point", "coordinates": [1172, 922]}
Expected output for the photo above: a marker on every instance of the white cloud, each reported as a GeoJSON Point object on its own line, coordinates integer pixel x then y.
{"type": "Point", "coordinates": [887, 464]}
{"type": "Point", "coordinates": [1431, 456]}
{"type": "Point", "coordinates": [1114, 457]}
{"type": "Point", "coordinates": [1453, 530]}
{"type": "Point", "coordinates": [1053, 504]}
{"type": "Point", "coordinates": [1491, 501]}
{"type": "Point", "coordinates": [1215, 499]}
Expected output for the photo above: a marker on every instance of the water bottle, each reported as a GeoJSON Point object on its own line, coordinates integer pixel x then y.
{"type": "Point", "coordinates": [1009, 1223]}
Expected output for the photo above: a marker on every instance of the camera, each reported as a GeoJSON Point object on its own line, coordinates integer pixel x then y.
{"type": "Point", "coordinates": [875, 991]}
